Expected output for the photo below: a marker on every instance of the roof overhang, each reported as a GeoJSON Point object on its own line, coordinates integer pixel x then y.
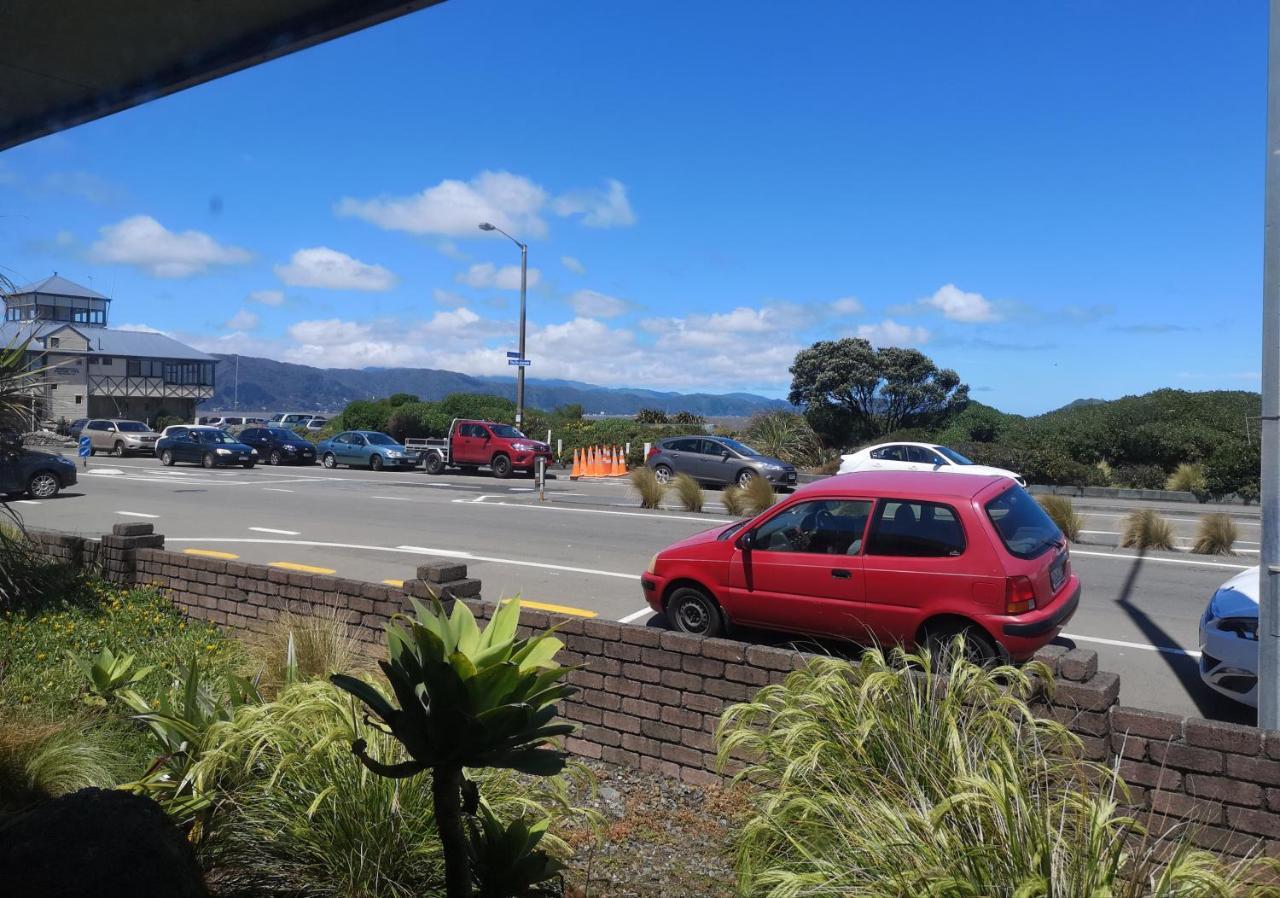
{"type": "Point", "coordinates": [66, 62]}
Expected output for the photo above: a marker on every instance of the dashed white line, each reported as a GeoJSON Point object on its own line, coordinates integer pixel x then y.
{"type": "Point", "coordinates": [705, 519]}
{"type": "Point", "coordinates": [1119, 643]}
{"type": "Point", "coordinates": [272, 489]}
{"type": "Point", "coordinates": [635, 616]}
{"type": "Point", "coordinates": [27, 502]}
{"type": "Point", "coordinates": [1159, 560]}
{"type": "Point", "coordinates": [393, 498]}
{"type": "Point", "coordinates": [137, 514]}
{"type": "Point", "coordinates": [271, 530]}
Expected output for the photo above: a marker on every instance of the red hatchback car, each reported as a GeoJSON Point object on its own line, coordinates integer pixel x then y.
{"type": "Point", "coordinates": [911, 558]}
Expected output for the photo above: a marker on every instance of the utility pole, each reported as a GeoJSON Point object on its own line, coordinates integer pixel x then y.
{"type": "Point", "coordinates": [236, 402]}
{"type": "Point", "coordinates": [524, 279]}
{"type": "Point", "coordinates": [1269, 556]}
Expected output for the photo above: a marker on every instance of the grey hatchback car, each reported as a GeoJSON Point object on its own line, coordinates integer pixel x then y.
{"type": "Point", "coordinates": [717, 460]}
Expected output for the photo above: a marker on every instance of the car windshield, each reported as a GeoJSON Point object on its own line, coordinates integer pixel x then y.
{"type": "Point", "coordinates": [955, 457]}
{"type": "Point", "coordinates": [506, 431]}
{"type": "Point", "coordinates": [287, 436]}
{"type": "Point", "coordinates": [1022, 524]}
{"type": "Point", "coordinates": [213, 436]}
{"type": "Point", "coordinates": [380, 439]}
{"type": "Point", "coordinates": [131, 427]}
{"type": "Point", "coordinates": [737, 447]}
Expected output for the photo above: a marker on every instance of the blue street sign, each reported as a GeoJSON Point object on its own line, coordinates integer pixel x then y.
{"type": "Point", "coordinates": [513, 355]}
{"type": "Point", "coordinates": [523, 363]}
{"type": "Point", "coordinates": [86, 447]}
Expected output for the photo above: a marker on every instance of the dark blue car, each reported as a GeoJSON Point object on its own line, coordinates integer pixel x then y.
{"type": "Point", "coordinates": [206, 446]}
{"type": "Point", "coordinates": [38, 474]}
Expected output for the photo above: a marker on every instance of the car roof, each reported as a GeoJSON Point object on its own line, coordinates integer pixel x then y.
{"type": "Point", "coordinates": [906, 484]}
{"type": "Point", "coordinates": [900, 443]}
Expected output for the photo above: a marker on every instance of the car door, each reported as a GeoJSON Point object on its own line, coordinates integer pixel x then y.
{"type": "Point", "coordinates": [340, 447]}
{"type": "Point", "coordinates": [711, 465]}
{"type": "Point", "coordinates": [470, 444]}
{"type": "Point", "coordinates": [803, 570]}
{"type": "Point", "coordinates": [684, 455]}
{"type": "Point", "coordinates": [921, 458]}
{"type": "Point", "coordinates": [356, 449]}
{"type": "Point", "coordinates": [890, 458]}
{"type": "Point", "coordinates": [914, 557]}
{"type": "Point", "coordinates": [186, 446]}
{"type": "Point", "coordinates": [10, 471]}
{"type": "Point", "coordinates": [96, 431]}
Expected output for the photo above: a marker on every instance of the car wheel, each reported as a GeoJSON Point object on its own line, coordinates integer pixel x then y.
{"type": "Point", "coordinates": [433, 464]}
{"type": "Point", "coordinates": [247, 464]}
{"type": "Point", "coordinates": [745, 477]}
{"type": "Point", "coordinates": [43, 485]}
{"type": "Point", "coordinates": [375, 463]}
{"type": "Point", "coordinates": [501, 467]}
{"type": "Point", "coordinates": [276, 458]}
{"type": "Point", "coordinates": [663, 473]}
{"type": "Point", "coordinates": [329, 461]}
{"type": "Point", "coordinates": [693, 611]}
{"type": "Point", "coordinates": [166, 458]}
{"type": "Point", "coordinates": [210, 460]}
{"type": "Point", "coordinates": [118, 450]}
{"type": "Point", "coordinates": [977, 645]}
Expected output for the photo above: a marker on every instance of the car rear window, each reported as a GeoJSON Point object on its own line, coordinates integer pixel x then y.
{"type": "Point", "coordinates": [1024, 528]}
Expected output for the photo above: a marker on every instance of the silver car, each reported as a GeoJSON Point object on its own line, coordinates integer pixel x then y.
{"type": "Point", "coordinates": [119, 436]}
{"type": "Point", "coordinates": [717, 460]}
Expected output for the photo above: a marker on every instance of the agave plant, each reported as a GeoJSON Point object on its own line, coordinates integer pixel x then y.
{"type": "Point", "coordinates": [467, 698]}
{"type": "Point", "coordinates": [108, 673]}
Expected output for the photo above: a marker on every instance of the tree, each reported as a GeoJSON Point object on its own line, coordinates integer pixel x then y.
{"type": "Point", "coordinates": [688, 419]}
{"type": "Point", "coordinates": [882, 389]}
{"type": "Point", "coordinates": [651, 416]}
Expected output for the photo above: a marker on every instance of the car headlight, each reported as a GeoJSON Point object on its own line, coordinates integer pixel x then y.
{"type": "Point", "coordinates": [391, 453]}
{"type": "Point", "coordinates": [224, 452]}
{"type": "Point", "coordinates": [253, 451]}
{"type": "Point", "coordinates": [522, 447]}
{"type": "Point", "coordinates": [290, 448]}
{"type": "Point", "coordinates": [653, 564]}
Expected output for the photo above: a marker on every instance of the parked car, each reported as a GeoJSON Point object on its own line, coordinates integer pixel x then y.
{"type": "Point", "coordinates": [208, 446]}
{"type": "Point", "coordinates": [119, 436]}
{"type": "Point", "coordinates": [316, 424]}
{"type": "Point", "coordinates": [918, 457]}
{"type": "Point", "coordinates": [278, 445]}
{"type": "Point", "coordinates": [1229, 639]}
{"type": "Point", "coordinates": [889, 557]}
{"type": "Point", "coordinates": [74, 428]}
{"type": "Point", "coordinates": [365, 449]}
{"type": "Point", "coordinates": [716, 460]}
{"type": "Point", "coordinates": [290, 419]}
{"type": "Point", "coordinates": [471, 445]}
{"type": "Point", "coordinates": [40, 475]}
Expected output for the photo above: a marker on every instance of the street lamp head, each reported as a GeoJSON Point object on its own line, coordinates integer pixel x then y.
{"type": "Point", "coordinates": [485, 226]}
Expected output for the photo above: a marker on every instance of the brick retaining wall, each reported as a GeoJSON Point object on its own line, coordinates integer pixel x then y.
{"type": "Point", "coordinates": [651, 698]}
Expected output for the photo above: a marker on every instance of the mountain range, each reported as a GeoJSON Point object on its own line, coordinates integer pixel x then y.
{"type": "Point", "coordinates": [250, 384]}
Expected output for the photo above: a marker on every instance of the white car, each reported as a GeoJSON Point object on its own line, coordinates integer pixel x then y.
{"type": "Point", "coordinates": [918, 457]}
{"type": "Point", "coordinates": [1229, 639]}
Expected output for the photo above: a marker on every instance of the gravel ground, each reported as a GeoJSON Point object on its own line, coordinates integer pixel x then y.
{"type": "Point", "coordinates": [660, 837]}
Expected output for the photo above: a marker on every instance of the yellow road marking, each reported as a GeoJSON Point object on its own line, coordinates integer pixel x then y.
{"type": "Point", "coordinates": [557, 609]}
{"type": "Point", "coordinates": [396, 583]}
{"type": "Point", "coordinates": [209, 553]}
{"type": "Point", "coordinates": [304, 568]}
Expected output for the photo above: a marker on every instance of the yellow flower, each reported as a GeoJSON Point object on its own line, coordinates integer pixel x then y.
{"type": "Point", "coordinates": [40, 656]}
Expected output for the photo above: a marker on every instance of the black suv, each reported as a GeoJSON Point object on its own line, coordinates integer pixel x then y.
{"type": "Point", "coordinates": [38, 474]}
{"type": "Point", "coordinates": [279, 445]}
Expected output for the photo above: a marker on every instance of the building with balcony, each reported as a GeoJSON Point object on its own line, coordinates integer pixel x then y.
{"type": "Point", "coordinates": [92, 371]}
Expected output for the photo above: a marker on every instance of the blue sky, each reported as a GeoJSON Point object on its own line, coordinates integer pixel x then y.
{"type": "Point", "coordinates": [1056, 200]}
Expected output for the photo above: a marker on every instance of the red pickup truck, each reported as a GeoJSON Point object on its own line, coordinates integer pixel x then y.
{"type": "Point", "coordinates": [474, 444]}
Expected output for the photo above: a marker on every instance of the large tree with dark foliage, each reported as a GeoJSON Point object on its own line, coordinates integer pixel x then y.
{"type": "Point", "coordinates": [877, 390]}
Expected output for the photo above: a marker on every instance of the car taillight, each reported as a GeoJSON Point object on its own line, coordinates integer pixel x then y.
{"type": "Point", "coordinates": [1019, 595]}
{"type": "Point", "coordinates": [653, 450]}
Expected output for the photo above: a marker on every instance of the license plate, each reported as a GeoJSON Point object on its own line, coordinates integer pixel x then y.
{"type": "Point", "coordinates": [1058, 572]}
{"type": "Point", "coordinates": [244, 458]}
{"type": "Point", "coordinates": [791, 478]}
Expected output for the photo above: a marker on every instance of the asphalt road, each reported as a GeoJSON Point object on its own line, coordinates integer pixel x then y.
{"type": "Point", "coordinates": [583, 549]}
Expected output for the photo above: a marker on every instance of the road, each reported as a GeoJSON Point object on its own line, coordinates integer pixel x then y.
{"type": "Point", "coordinates": [583, 549]}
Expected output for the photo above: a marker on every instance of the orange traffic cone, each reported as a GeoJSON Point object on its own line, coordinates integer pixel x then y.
{"type": "Point", "coordinates": [577, 466]}
{"type": "Point", "coordinates": [593, 466]}
{"type": "Point", "coordinates": [599, 468]}
{"type": "Point", "coordinates": [619, 463]}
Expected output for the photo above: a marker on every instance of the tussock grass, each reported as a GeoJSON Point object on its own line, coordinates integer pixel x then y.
{"type": "Point", "coordinates": [310, 647]}
{"type": "Point", "coordinates": [1147, 529]}
{"type": "Point", "coordinates": [1216, 535]}
{"type": "Point", "coordinates": [1108, 475]}
{"type": "Point", "coordinates": [646, 485]}
{"type": "Point", "coordinates": [758, 495]}
{"type": "Point", "coordinates": [688, 492]}
{"type": "Point", "coordinates": [1063, 513]}
{"type": "Point", "coordinates": [734, 501]}
{"type": "Point", "coordinates": [41, 759]}
{"type": "Point", "coordinates": [784, 435]}
{"type": "Point", "coordinates": [875, 779]}
{"type": "Point", "coordinates": [1187, 479]}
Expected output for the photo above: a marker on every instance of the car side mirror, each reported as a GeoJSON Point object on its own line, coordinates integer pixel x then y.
{"type": "Point", "coordinates": [725, 455]}
{"type": "Point", "coordinates": [746, 540]}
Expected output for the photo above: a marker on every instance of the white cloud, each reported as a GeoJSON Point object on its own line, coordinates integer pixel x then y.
{"type": "Point", "coordinates": [139, 328]}
{"type": "Point", "coordinates": [456, 208]}
{"type": "Point", "coordinates": [329, 269]}
{"type": "Point", "coordinates": [267, 297]}
{"type": "Point", "coordinates": [891, 333]}
{"type": "Point", "coordinates": [957, 305]}
{"type": "Point", "coordinates": [573, 265]}
{"type": "Point", "coordinates": [330, 332]}
{"type": "Point", "coordinates": [243, 320]}
{"type": "Point", "coordinates": [144, 242]}
{"type": "Point", "coordinates": [448, 298]}
{"type": "Point", "coordinates": [846, 305]}
{"type": "Point", "coordinates": [486, 274]}
{"type": "Point", "coordinates": [607, 208]}
{"type": "Point", "coordinates": [590, 304]}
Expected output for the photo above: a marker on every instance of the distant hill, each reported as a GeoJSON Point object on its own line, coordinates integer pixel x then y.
{"type": "Point", "coordinates": [1079, 403]}
{"type": "Point", "coordinates": [268, 385]}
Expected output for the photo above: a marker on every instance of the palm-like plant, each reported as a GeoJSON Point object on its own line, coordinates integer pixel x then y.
{"type": "Point", "coordinates": [468, 698]}
{"type": "Point", "coordinates": [784, 435]}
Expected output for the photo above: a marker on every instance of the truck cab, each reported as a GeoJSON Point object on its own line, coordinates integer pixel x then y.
{"type": "Point", "coordinates": [473, 444]}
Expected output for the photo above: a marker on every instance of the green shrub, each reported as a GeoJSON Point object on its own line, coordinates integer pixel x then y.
{"type": "Point", "coordinates": [651, 416]}
{"type": "Point", "coordinates": [689, 492]}
{"type": "Point", "coordinates": [163, 421]}
{"type": "Point", "coordinates": [1054, 468]}
{"type": "Point", "coordinates": [1234, 468]}
{"type": "Point", "coordinates": [1187, 478]}
{"type": "Point", "coordinates": [1147, 529]}
{"type": "Point", "coordinates": [784, 435]}
{"type": "Point", "coordinates": [1063, 513]}
{"type": "Point", "coordinates": [689, 420]}
{"type": "Point", "coordinates": [876, 779]}
{"type": "Point", "coordinates": [735, 501]}
{"type": "Point", "coordinates": [758, 495]}
{"type": "Point", "coordinates": [42, 759]}
{"type": "Point", "coordinates": [646, 485]}
{"type": "Point", "coordinates": [1139, 477]}
{"type": "Point", "coordinates": [417, 420]}
{"type": "Point", "coordinates": [478, 405]}
{"type": "Point", "coordinates": [1216, 535]}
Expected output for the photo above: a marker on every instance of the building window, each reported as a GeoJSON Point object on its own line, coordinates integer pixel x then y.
{"type": "Point", "coordinates": [133, 368]}
{"type": "Point", "coordinates": [53, 386]}
{"type": "Point", "coordinates": [54, 342]}
{"type": "Point", "coordinates": [106, 360]}
{"type": "Point", "coordinates": [79, 399]}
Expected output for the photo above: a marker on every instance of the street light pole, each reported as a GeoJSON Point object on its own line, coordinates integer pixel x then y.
{"type": "Point", "coordinates": [1269, 555]}
{"type": "Point", "coordinates": [524, 281]}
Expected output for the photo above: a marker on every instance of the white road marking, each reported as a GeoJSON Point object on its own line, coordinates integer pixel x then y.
{"type": "Point", "coordinates": [1162, 649]}
{"type": "Point", "coordinates": [137, 514]}
{"type": "Point", "coordinates": [705, 519]}
{"type": "Point", "coordinates": [519, 489]}
{"type": "Point", "coordinates": [273, 489]}
{"type": "Point", "coordinates": [104, 471]}
{"type": "Point", "coordinates": [27, 502]}
{"type": "Point", "coordinates": [1185, 539]}
{"type": "Point", "coordinates": [393, 498]}
{"type": "Point", "coordinates": [270, 530]}
{"type": "Point", "coordinates": [1158, 560]}
{"type": "Point", "coordinates": [634, 616]}
{"type": "Point", "coordinates": [1243, 521]}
